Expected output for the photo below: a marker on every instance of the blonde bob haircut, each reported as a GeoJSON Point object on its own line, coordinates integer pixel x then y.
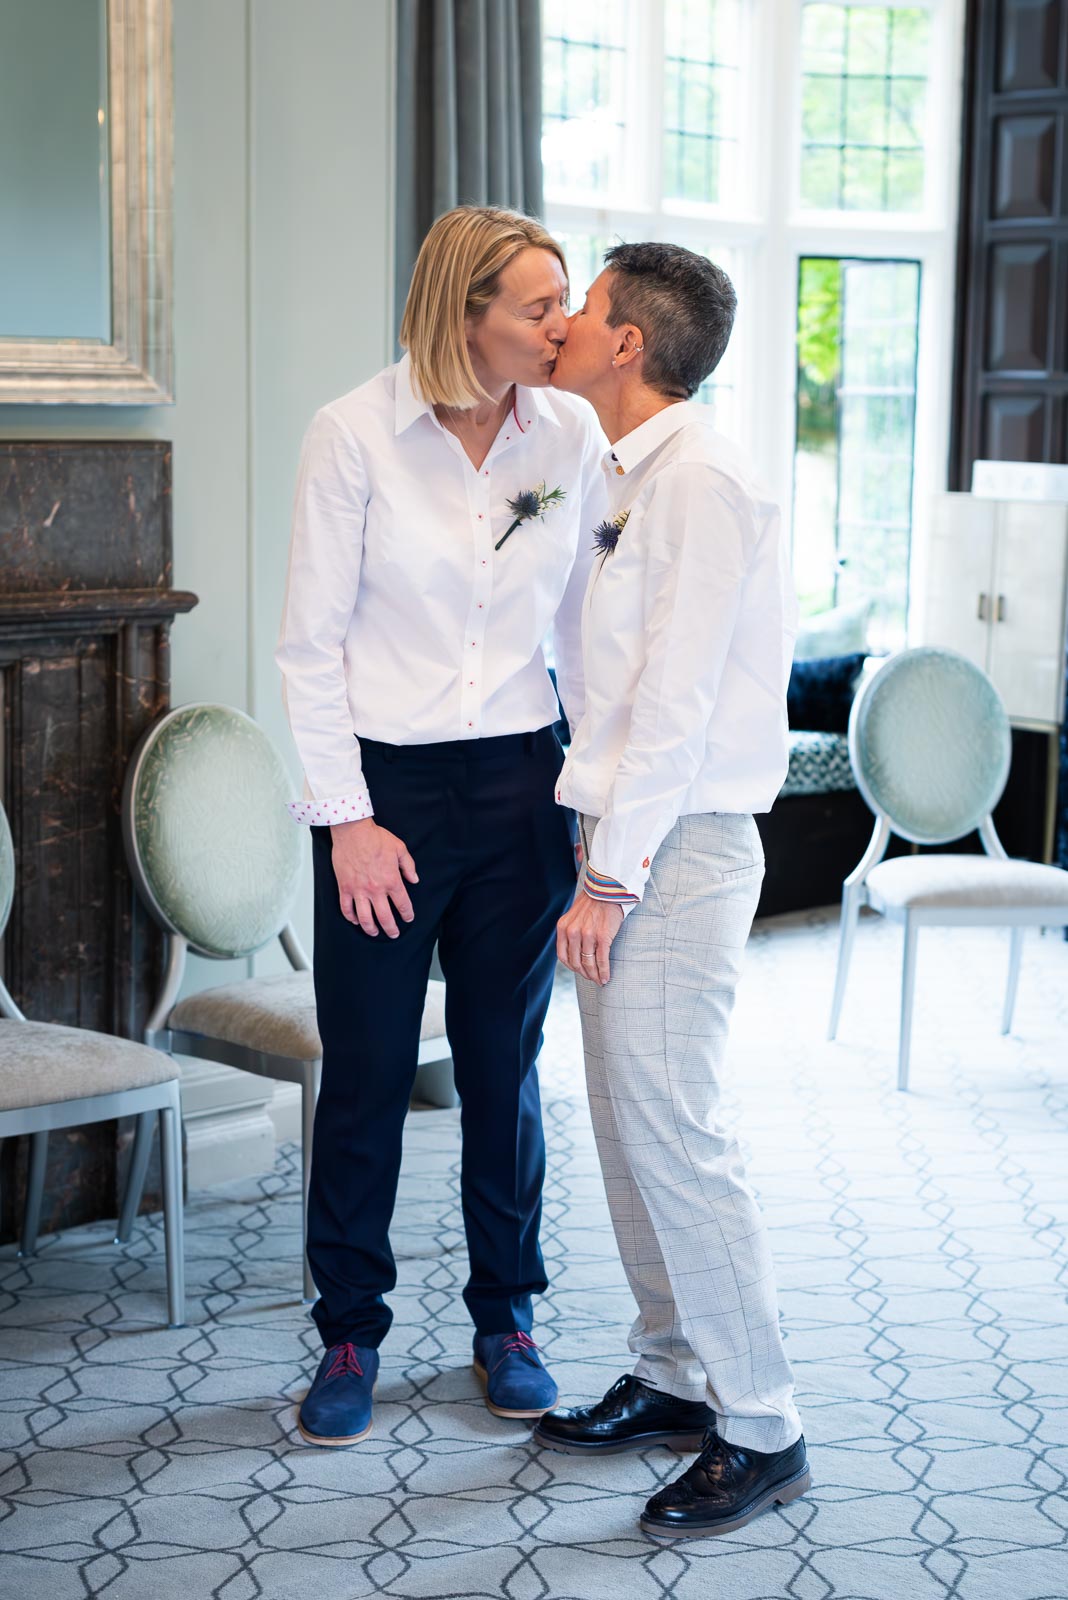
{"type": "Point", "coordinates": [456, 275]}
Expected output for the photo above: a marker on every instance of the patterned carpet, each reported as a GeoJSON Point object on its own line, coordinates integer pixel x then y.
{"type": "Point", "coordinates": [921, 1244]}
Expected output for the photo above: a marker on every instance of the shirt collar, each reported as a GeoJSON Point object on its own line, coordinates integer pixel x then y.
{"type": "Point", "coordinates": [531, 405]}
{"type": "Point", "coordinates": [630, 451]}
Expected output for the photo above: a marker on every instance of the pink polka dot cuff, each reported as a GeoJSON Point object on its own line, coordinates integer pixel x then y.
{"type": "Point", "coordinates": [324, 813]}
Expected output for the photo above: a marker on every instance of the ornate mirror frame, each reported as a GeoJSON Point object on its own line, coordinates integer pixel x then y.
{"type": "Point", "coordinates": [137, 367]}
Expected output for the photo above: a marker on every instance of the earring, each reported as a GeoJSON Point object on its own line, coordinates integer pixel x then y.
{"type": "Point", "coordinates": [638, 348]}
{"type": "Point", "coordinates": [613, 360]}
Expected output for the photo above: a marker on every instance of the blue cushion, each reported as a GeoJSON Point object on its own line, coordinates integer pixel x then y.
{"type": "Point", "coordinates": [820, 695]}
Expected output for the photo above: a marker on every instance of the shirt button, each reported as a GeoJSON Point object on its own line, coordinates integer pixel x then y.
{"type": "Point", "coordinates": [483, 561]}
{"type": "Point", "coordinates": [620, 471]}
{"type": "Point", "coordinates": [480, 516]}
{"type": "Point", "coordinates": [486, 473]}
{"type": "Point", "coordinates": [480, 605]}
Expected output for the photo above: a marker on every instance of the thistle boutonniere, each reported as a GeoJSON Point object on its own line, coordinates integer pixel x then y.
{"type": "Point", "coordinates": [530, 503]}
{"type": "Point", "coordinates": [606, 534]}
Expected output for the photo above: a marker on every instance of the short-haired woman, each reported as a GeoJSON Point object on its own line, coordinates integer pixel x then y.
{"type": "Point", "coordinates": [441, 530]}
{"type": "Point", "coordinates": [688, 634]}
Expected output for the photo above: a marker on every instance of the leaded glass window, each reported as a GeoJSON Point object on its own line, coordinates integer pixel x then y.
{"type": "Point", "coordinates": [856, 402]}
{"type": "Point", "coordinates": [701, 91]}
{"type": "Point", "coordinates": [583, 95]}
{"type": "Point", "coordinates": [864, 72]}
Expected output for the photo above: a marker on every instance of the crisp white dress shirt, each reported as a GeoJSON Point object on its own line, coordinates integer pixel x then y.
{"type": "Point", "coordinates": [688, 630]}
{"type": "Point", "coordinates": [401, 621]}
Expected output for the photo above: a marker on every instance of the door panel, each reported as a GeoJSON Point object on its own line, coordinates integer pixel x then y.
{"type": "Point", "coordinates": [960, 569]}
{"type": "Point", "coordinates": [1027, 633]}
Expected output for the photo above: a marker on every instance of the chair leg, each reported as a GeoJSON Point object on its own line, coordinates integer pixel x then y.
{"type": "Point", "coordinates": [851, 898]}
{"type": "Point", "coordinates": [170, 1144]}
{"type": "Point", "coordinates": [135, 1178]}
{"type": "Point", "coordinates": [308, 1096]}
{"type": "Point", "coordinates": [908, 989]}
{"type": "Point", "coordinates": [1015, 952]}
{"type": "Point", "coordinates": [31, 1218]}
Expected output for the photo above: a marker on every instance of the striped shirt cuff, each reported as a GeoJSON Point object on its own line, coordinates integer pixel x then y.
{"type": "Point", "coordinates": [324, 813]}
{"type": "Point", "coordinates": [601, 887]}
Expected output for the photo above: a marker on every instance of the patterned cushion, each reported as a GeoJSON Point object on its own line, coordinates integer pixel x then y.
{"type": "Point", "coordinates": [277, 1015]}
{"type": "Point", "coordinates": [42, 1062]}
{"type": "Point", "coordinates": [956, 880]}
{"type": "Point", "coordinates": [819, 764]}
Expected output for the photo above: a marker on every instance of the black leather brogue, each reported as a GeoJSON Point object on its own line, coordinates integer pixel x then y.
{"type": "Point", "coordinates": [632, 1416]}
{"type": "Point", "coordinates": [726, 1487]}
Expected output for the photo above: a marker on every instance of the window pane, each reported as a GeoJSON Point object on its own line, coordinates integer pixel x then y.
{"type": "Point", "coordinates": [585, 258]}
{"type": "Point", "coordinates": [701, 65]}
{"type": "Point", "coordinates": [583, 96]}
{"type": "Point", "coordinates": [863, 101]}
{"type": "Point", "coordinates": [856, 391]}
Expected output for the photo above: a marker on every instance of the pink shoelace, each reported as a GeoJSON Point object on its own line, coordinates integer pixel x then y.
{"type": "Point", "coordinates": [345, 1362]}
{"type": "Point", "coordinates": [516, 1344]}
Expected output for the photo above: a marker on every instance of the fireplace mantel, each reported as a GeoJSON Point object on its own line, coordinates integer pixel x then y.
{"type": "Point", "coordinates": [86, 605]}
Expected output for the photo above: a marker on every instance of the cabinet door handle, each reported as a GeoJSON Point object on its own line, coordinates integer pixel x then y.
{"type": "Point", "coordinates": [1001, 608]}
{"type": "Point", "coordinates": [982, 608]}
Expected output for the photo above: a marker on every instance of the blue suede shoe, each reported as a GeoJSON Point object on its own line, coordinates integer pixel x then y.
{"type": "Point", "coordinates": [517, 1385]}
{"type": "Point", "coordinates": [337, 1408]}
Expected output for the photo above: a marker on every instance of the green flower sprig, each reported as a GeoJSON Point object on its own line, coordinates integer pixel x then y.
{"type": "Point", "coordinates": [530, 503]}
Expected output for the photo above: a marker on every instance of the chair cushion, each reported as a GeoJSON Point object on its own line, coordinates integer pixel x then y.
{"type": "Point", "coordinates": [277, 1015]}
{"type": "Point", "coordinates": [42, 1063]}
{"type": "Point", "coordinates": [961, 881]}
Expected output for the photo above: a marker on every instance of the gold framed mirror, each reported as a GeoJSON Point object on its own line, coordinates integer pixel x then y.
{"type": "Point", "coordinates": [103, 335]}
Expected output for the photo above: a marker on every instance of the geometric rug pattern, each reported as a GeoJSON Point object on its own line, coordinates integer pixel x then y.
{"type": "Point", "coordinates": [921, 1244]}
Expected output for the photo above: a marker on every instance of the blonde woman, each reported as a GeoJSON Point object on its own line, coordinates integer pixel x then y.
{"type": "Point", "coordinates": [441, 530]}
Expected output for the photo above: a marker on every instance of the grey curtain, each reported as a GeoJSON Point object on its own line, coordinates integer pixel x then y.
{"type": "Point", "coordinates": [468, 114]}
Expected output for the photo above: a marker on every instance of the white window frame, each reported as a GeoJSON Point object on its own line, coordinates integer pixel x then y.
{"type": "Point", "coordinates": [771, 236]}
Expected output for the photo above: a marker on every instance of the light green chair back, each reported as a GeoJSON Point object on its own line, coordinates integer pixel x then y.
{"type": "Point", "coordinates": [7, 871]}
{"type": "Point", "coordinates": [216, 856]}
{"type": "Point", "coordinates": [930, 745]}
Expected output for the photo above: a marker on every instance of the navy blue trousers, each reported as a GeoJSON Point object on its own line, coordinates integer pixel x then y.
{"type": "Point", "coordinates": [496, 869]}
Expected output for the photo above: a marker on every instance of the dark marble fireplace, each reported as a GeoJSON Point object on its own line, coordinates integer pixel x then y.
{"type": "Point", "coordinates": [86, 606]}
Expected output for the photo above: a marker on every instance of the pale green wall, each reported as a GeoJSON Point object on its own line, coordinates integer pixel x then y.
{"type": "Point", "coordinates": [282, 272]}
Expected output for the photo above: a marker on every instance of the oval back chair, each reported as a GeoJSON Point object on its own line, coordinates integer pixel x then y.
{"type": "Point", "coordinates": [217, 860]}
{"type": "Point", "coordinates": [930, 746]}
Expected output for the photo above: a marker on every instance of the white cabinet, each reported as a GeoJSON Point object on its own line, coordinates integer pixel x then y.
{"type": "Point", "coordinates": [997, 591]}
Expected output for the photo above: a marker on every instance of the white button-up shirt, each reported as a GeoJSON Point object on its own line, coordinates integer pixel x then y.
{"type": "Point", "coordinates": [401, 622]}
{"type": "Point", "coordinates": [688, 630]}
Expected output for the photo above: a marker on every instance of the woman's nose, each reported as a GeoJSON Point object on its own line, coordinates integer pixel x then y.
{"type": "Point", "coordinates": [559, 326]}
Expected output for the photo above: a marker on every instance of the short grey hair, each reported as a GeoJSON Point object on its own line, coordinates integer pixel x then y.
{"type": "Point", "coordinates": [684, 305]}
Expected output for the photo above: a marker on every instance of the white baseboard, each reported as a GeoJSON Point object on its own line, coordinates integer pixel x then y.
{"type": "Point", "coordinates": [228, 1130]}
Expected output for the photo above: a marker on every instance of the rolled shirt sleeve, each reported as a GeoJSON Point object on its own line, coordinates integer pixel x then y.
{"type": "Point", "coordinates": [701, 541]}
{"type": "Point", "coordinates": [321, 587]}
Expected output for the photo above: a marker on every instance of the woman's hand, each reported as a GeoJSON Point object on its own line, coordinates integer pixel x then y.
{"type": "Point", "coordinates": [584, 936]}
{"type": "Point", "coordinates": [368, 863]}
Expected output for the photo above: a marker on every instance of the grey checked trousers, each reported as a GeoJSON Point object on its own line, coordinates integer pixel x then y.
{"type": "Point", "coordinates": [690, 1233]}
